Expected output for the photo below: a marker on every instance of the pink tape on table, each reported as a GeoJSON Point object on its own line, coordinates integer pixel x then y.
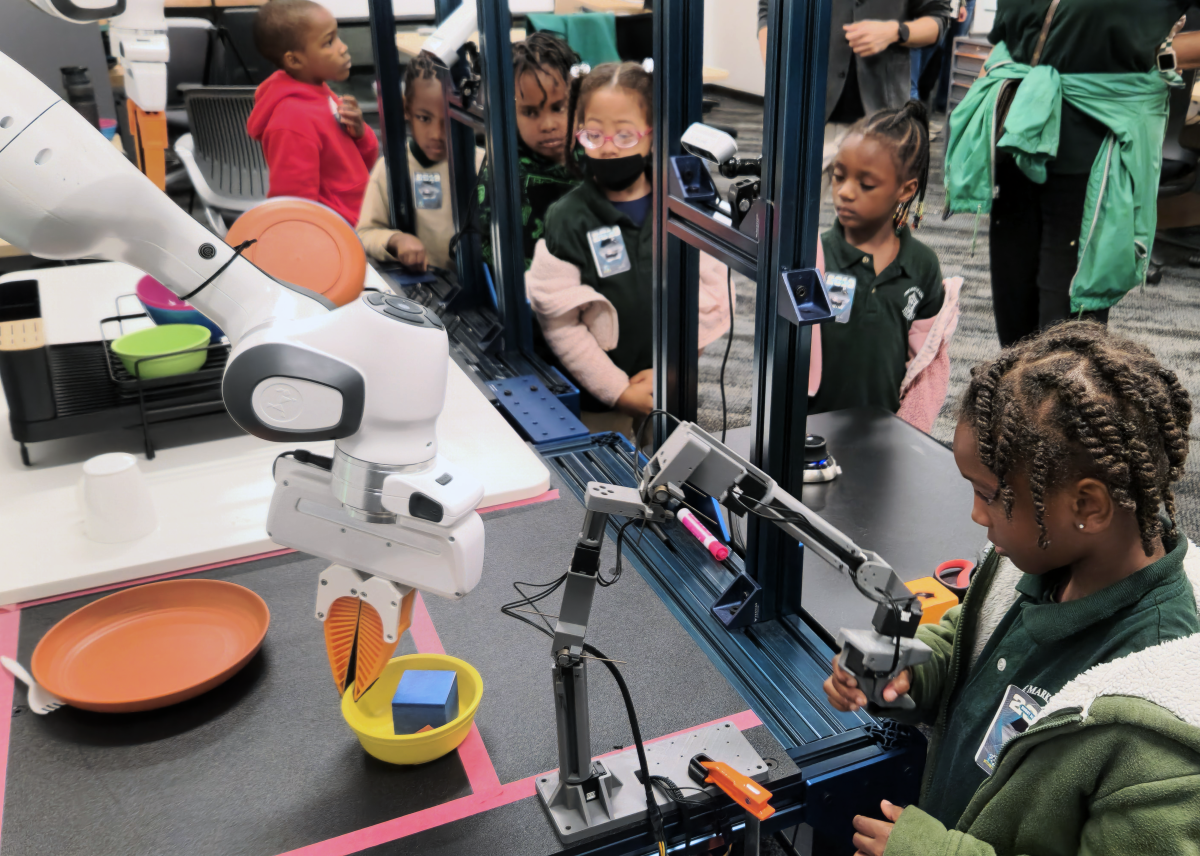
{"type": "Point", "coordinates": [541, 497]}
{"type": "Point", "coordinates": [473, 755]}
{"type": "Point", "coordinates": [10, 625]}
{"type": "Point", "coordinates": [464, 807]}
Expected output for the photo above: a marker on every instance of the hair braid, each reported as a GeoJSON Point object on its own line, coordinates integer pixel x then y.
{"type": "Point", "coordinates": [1078, 401]}
{"type": "Point", "coordinates": [906, 132]}
{"type": "Point", "coordinates": [543, 53]}
{"type": "Point", "coordinates": [1040, 479]}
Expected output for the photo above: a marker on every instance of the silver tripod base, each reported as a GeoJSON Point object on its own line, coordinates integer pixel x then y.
{"type": "Point", "coordinates": [585, 809]}
{"type": "Point", "coordinates": [578, 812]}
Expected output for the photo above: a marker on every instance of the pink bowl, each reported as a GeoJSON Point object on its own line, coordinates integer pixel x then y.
{"type": "Point", "coordinates": [153, 293]}
{"type": "Point", "coordinates": [165, 307]}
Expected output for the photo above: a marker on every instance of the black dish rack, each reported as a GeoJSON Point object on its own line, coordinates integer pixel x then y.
{"type": "Point", "coordinates": [58, 391]}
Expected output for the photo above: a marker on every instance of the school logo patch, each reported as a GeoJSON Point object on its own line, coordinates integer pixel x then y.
{"type": "Point", "coordinates": [913, 296]}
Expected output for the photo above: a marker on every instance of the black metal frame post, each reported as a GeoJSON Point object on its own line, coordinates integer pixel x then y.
{"type": "Point", "coordinates": [678, 52]}
{"type": "Point", "coordinates": [495, 27]}
{"type": "Point", "coordinates": [460, 137]}
{"type": "Point", "coordinates": [793, 134]}
{"type": "Point", "coordinates": [782, 236]}
{"type": "Point", "coordinates": [393, 136]}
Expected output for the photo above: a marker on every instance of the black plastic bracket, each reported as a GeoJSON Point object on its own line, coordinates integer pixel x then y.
{"type": "Point", "coordinates": [691, 180]}
{"type": "Point", "coordinates": [804, 297]}
{"type": "Point", "coordinates": [740, 605]}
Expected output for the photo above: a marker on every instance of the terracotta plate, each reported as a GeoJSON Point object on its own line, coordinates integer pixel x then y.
{"type": "Point", "coordinates": [306, 244]}
{"type": "Point", "coordinates": [151, 646]}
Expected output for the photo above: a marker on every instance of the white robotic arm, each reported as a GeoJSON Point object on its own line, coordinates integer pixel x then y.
{"type": "Point", "coordinates": [138, 37]}
{"type": "Point", "coordinates": [370, 375]}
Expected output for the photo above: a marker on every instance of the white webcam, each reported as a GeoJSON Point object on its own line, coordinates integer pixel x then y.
{"type": "Point", "coordinates": [705, 141]}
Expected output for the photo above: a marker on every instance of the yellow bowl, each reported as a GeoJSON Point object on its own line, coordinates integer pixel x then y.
{"type": "Point", "coordinates": [371, 716]}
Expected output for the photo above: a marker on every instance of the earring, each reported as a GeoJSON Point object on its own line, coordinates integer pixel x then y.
{"type": "Point", "coordinates": [899, 218]}
{"type": "Point", "coordinates": [1078, 525]}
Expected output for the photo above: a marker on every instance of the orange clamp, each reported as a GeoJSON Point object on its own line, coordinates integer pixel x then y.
{"type": "Point", "coordinates": [741, 789]}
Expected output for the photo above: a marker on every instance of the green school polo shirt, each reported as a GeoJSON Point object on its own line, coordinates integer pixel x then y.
{"type": "Point", "coordinates": [863, 360]}
{"type": "Point", "coordinates": [1086, 37]}
{"type": "Point", "coordinates": [568, 222]}
{"type": "Point", "coordinates": [1040, 645]}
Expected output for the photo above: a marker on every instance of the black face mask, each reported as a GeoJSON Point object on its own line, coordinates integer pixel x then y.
{"type": "Point", "coordinates": [616, 173]}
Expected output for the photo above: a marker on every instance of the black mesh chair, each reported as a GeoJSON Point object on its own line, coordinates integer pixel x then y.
{"type": "Point", "coordinates": [227, 168]}
{"type": "Point", "coordinates": [238, 61]}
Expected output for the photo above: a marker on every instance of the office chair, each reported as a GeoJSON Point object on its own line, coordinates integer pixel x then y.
{"type": "Point", "coordinates": [238, 62]}
{"type": "Point", "coordinates": [226, 167]}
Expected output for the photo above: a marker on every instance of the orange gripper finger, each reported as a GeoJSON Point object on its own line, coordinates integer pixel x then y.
{"type": "Point", "coordinates": [374, 651]}
{"type": "Point", "coordinates": [341, 628]}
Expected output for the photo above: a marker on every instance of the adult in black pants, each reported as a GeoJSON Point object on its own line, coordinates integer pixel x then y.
{"type": "Point", "coordinates": [1035, 229]}
{"type": "Point", "coordinates": [1034, 250]}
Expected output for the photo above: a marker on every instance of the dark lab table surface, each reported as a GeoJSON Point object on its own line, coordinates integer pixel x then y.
{"type": "Point", "coordinates": [899, 494]}
{"type": "Point", "coordinates": [264, 764]}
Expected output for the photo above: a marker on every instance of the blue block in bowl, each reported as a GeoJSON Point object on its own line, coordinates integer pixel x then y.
{"type": "Point", "coordinates": [424, 698]}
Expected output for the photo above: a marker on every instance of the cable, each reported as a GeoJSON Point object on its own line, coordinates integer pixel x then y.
{"type": "Point", "coordinates": [637, 434]}
{"type": "Point", "coordinates": [653, 813]}
{"type": "Point", "coordinates": [470, 224]}
{"type": "Point", "coordinates": [620, 540]}
{"type": "Point", "coordinates": [728, 347]}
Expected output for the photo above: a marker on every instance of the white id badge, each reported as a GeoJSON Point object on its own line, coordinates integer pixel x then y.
{"type": "Point", "coordinates": [608, 251]}
{"type": "Point", "coordinates": [1015, 714]}
{"type": "Point", "coordinates": [428, 189]}
{"type": "Point", "coordinates": [841, 295]}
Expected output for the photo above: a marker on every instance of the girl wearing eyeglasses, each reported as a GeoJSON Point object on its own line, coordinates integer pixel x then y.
{"type": "Point", "coordinates": [590, 280]}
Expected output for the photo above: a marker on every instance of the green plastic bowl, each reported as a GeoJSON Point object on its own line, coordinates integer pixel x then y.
{"type": "Point", "coordinates": [169, 339]}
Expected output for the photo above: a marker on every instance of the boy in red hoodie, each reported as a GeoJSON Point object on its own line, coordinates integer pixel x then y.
{"type": "Point", "coordinates": [317, 145]}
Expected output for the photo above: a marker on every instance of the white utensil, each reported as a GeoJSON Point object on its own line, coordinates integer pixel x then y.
{"type": "Point", "coordinates": [41, 701]}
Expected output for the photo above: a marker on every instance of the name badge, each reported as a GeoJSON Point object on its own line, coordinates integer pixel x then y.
{"type": "Point", "coordinates": [841, 295]}
{"type": "Point", "coordinates": [1015, 714]}
{"type": "Point", "coordinates": [427, 187]}
{"type": "Point", "coordinates": [608, 251]}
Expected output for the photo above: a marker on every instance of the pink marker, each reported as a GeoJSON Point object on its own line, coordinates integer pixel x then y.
{"type": "Point", "coordinates": [720, 551]}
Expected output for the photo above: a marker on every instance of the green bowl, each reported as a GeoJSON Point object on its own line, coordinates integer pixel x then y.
{"type": "Point", "coordinates": [164, 342]}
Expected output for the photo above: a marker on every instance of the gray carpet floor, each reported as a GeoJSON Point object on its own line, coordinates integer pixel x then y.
{"type": "Point", "coordinates": [1165, 317]}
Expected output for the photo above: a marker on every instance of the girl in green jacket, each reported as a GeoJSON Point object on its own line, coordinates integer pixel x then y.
{"type": "Point", "coordinates": [1062, 693]}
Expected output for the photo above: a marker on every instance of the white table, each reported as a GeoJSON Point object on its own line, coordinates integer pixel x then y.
{"type": "Point", "coordinates": [211, 486]}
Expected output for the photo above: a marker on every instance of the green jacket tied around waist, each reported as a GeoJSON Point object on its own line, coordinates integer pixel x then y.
{"type": "Point", "coordinates": [1120, 212]}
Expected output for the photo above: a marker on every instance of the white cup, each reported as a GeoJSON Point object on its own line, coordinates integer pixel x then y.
{"type": "Point", "coordinates": [115, 499]}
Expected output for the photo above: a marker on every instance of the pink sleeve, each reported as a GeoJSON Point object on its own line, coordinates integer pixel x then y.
{"type": "Point", "coordinates": [917, 334]}
{"type": "Point", "coordinates": [368, 146]}
{"type": "Point", "coordinates": [814, 354]}
{"type": "Point", "coordinates": [583, 357]}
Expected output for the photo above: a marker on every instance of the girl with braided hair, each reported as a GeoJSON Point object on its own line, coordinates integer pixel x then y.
{"type": "Point", "coordinates": [1063, 693]}
{"type": "Point", "coordinates": [542, 72]}
{"type": "Point", "coordinates": [591, 280]}
{"type": "Point", "coordinates": [893, 281]}
{"type": "Point", "coordinates": [429, 169]}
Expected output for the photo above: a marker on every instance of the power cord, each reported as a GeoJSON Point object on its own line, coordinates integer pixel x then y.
{"type": "Point", "coordinates": [470, 224]}
{"type": "Point", "coordinates": [728, 347]}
